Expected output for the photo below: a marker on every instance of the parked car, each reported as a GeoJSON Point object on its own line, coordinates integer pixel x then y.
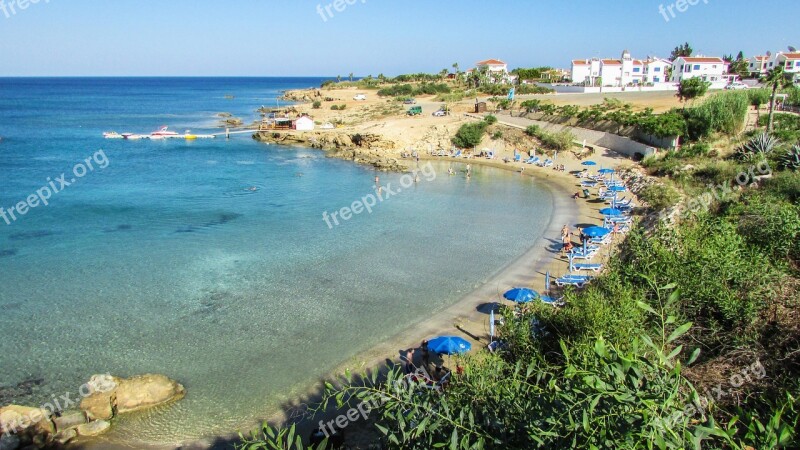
{"type": "Point", "coordinates": [735, 86]}
{"type": "Point", "coordinates": [440, 113]}
{"type": "Point", "coordinates": [415, 111]}
{"type": "Point", "coordinates": [409, 101]}
{"type": "Point", "coordinates": [360, 97]}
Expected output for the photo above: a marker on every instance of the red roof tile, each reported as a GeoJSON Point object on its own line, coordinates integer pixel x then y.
{"type": "Point", "coordinates": [611, 62]}
{"type": "Point", "coordinates": [491, 62]}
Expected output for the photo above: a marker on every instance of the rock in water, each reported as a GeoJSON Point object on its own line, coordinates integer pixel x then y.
{"type": "Point", "coordinates": [70, 419]}
{"type": "Point", "coordinates": [99, 405]}
{"type": "Point", "coordinates": [146, 391]}
{"type": "Point", "coordinates": [16, 419]}
{"type": "Point", "coordinates": [95, 428]}
{"type": "Point", "coordinates": [65, 436]}
{"type": "Point", "coordinates": [9, 442]}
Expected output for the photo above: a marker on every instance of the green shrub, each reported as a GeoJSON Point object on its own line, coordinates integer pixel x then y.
{"type": "Point", "coordinates": [490, 119]}
{"type": "Point", "coordinates": [560, 141]}
{"type": "Point", "coordinates": [317, 104]}
{"type": "Point", "coordinates": [660, 196]}
{"type": "Point", "coordinates": [470, 135]}
{"type": "Point", "coordinates": [533, 130]}
{"type": "Point", "coordinates": [771, 223]}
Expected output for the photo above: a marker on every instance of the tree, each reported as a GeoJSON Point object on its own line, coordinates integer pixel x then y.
{"type": "Point", "coordinates": [692, 88]}
{"type": "Point", "coordinates": [775, 79]}
{"type": "Point", "coordinates": [682, 50]}
{"type": "Point", "coordinates": [351, 76]}
{"type": "Point", "coordinates": [455, 68]}
{"type": "Point", "coordinates": [443, 74]}
{"type": "Point", "coordinates": [338, 78]}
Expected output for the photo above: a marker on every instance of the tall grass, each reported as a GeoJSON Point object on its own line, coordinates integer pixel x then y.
{"type": "Point", "coordinates": [725, 112]}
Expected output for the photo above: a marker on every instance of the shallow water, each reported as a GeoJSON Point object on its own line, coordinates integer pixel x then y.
{"type": "Point", "coordinates": [167, 261]}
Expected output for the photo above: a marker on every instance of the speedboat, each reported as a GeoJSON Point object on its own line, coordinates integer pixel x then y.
{"type": "Point", "coordinates": [113, 135]}
{"type": "Point", "coordinates": [133, 137]}
{"type": "Point", "coordinates": [163, 132]}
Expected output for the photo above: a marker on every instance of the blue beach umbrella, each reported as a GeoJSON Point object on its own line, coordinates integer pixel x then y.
{"type": "Point", "coordinates": [612, 212]}
{"type": "Point", "coordinates": [449, 345]}
{"type": "Point", "coordinates": [588, 163]}
{"type": "Point", "coordinates": [596, 231]}
{"type": "Point", "coordinates": [521, 295]}
{"type": "Point", "coordinates": [606, 171]}
{"type": "Point", "coordinates": [617, 189]}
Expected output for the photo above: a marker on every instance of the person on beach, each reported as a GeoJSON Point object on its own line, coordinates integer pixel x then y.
{"type": "Point", "coordinates": [564, 232]}
{"type": "Point", "coordinates": [576, 195]}
{"type": "Point", "coordinates": [408, 359]}
{"type": "Point", "coordinates": [426, 354]}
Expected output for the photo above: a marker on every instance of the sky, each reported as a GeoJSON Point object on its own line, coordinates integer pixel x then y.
{"type": "Point", "coordinates": [368, 37]}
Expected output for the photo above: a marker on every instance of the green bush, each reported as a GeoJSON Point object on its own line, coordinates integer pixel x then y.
{"type": "Point", "coordinates": [470, 135]}
{"type": "Point", "coordinates": [660, 196]}
{"type": "Point", "coordinates": [490, 119]}
{"type": "Point", "coordinates": [771, 223]}
{"type": "Point", "coordinates": [317, 104]}
{"type": "Point", "coordinates": [533, 130]}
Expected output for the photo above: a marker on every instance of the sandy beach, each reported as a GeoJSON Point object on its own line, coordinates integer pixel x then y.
{"type": "Point", "coordinates": [464, 318]}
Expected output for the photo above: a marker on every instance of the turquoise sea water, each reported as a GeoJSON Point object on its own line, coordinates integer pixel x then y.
{"type": "Point", "coordinates": [166, 262]}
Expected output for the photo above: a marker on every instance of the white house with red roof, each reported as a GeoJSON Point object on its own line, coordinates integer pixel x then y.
{"type": "Point", "coordinates": [789, 61]}
{"type": "Point", "coordinates": [496, 69]}
{"type": "Point", "coordinates": [758, 65]}
{"type": "Point", "coordinates": [625, 71]}
{"type": "Point", "coordinates": [711, 69]}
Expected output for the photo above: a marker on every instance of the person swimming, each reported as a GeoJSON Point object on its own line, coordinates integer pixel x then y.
{"type": "Point", "coordinates": [252, 189]}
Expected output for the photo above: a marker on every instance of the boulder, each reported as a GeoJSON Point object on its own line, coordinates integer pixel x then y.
{"type": "Point", "coordinates": [99, 405]}
{"type": "Point", "coordinates": [16, 419]}
{"type": "Point", "coordinates": [95, 428]}
{"type": "Point", "coordinates": [62, 437]}
{"type": "Point", "coordinates": [146, 391]}
{"type": "Point", "coordinates": [69, 419]}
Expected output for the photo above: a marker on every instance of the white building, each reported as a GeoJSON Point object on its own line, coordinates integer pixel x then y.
{"type": "Point", "coordinates": [711, 69]}
{"type": "Point", "coordinates": [625, 71]}
{"type": "Point", "coordinates": [496, 69]}
{"type": "Point", "coordinates": [789, 61]}
{"type": "Point", "coordinates": [656, 70]}
{"type": "Point", "coordinates": [758, 66]}
{"type": "Point", "coordinates": [304, 123]}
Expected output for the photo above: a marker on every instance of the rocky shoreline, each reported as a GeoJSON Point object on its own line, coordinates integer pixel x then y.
{"type": "Point", "coordinates": [368, 149]}
{"type": "Point", "coordinates": [65, 418]}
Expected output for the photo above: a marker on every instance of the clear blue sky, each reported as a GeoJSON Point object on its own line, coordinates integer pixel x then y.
{"type": "Point", "coordinates": [290, 37]}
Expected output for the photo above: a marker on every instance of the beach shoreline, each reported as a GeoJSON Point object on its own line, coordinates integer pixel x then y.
{"type": "Point", "coordinates": [463, 317]}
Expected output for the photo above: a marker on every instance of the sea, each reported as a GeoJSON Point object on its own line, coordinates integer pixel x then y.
{"type": "Point", "coordinates": [211, 261]}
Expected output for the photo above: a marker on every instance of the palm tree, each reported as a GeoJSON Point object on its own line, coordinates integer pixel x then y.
{"type": "Point", "coordinates": [455, 67]}
{"type": "Point", "coordinates": [351, 76]}
{"type": "Point", "coordinates": [776, 79]}
{"type": "Point", "coordinates": [338, 78]}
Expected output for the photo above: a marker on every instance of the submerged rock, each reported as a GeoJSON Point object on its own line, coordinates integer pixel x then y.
{"type": "Point", "coordinates": [17, 419]}
{"type": "Point", "coordinates": [146, 391]}
{"type": "Point", "coordinates": [70, 419]}
{"type": "Point", "coordinates": [62, 437]}
{"type": "Point", "coordinates": [95, 428]}
{"type": "Point", "coordinates": [9, 442]}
